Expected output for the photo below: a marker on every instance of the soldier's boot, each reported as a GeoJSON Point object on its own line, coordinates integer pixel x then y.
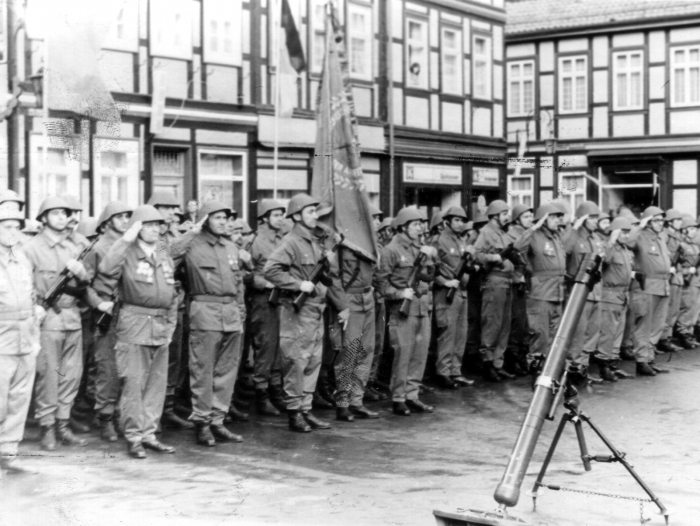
{"type": "Point", "coordinates": [401, 409]}
{"type": "Point", "coordinates": [445, 382]}
{"type": "Point", "coordinates": [263, 405]}
{"type": "Point", "coordinates": [203, 435]}
{"type": "Point", "coordinates": [221, 433]}
{"type": "Point", "coordinates": [107, 431]}
{"type": "Point", "coordinates": [66, 436]}
{"type": "Point", "coordinates": [687, 341]}
{"type": "Point", "coordinates": [657, 369]}
{"type": "Point", "coordinates": [237, 415]}
{"type": "Point", "coordinates": [77, 426]}
{"type": "Point", "coordinates": [644, 369]}
{"type": "Point", "coordinates": [324, 390]}
{"type": "Point", "coordinates": [490, 373]}
{"type": "Point", "coordinates": [297, 422]}
{"type": "Point", "coordinates": [116, 422]}
{"type": "Point", "coordinates": [418, 406]}
{"type": "Point", "coordinates": [626, 354]}
{"type": "Point", "coordinates": [315, 423]}
{"type": "Point", "coordinates": [13, 465]}
{"type": "Point", "coordinates": [319, 402]}
{"type": "Point", "coordinates": [615, 368]}
{"type": "Point", "coordinates": [48, 437]}
{"type": "Point", "coordinates": [606, 373]}
{"type": "Point", "coordinates": [362, 412]}
{"type": "Point", "coordinates": [344, 414]}
{"type": "Point", "coordinates": [371, 395]}
{"type": "Point", "coordinates": [277, 397]}
{"type": "Point", "coordinates": [666, 345]}
{"type": "Point", "coordinates": [169, 419]}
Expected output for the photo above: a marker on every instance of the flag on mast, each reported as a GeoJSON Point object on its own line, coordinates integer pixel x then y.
{"type": "Point", "coordinates": [292, 61]}
{"type": "Point", "coordinates": [338, 182]}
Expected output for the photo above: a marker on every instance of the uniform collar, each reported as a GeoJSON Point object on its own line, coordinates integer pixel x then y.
{"type": "Point", "coordinates": [449, 234]}
{"type": "Point", "coordinates": [211, 238]}
{"type": "Point", "coordinates": [51, 238]}
{"type": "Point", "coordinates": [406, 241]}
{"type": "Point", "coordinates": [111, 235]}
{"type": "Point", "coordinates": [489, 226]}
{"type": "Point", "coordinates": [268, 233]}
{"type": "Point", "coordinates": [302, 232]}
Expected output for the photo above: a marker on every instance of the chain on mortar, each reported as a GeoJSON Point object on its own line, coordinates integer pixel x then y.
{"type": "Point", "coordinates": [641, 501]}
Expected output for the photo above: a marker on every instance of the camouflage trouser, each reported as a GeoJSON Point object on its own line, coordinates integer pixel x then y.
{"type": "Point", "coordinates": [612, 328]}
{"type": "Point", "coordinates": [353, 363]}
{"type": "Point", "coordinates": [301, 346]}
{"type": "Point", "coordinates": [451, 321]}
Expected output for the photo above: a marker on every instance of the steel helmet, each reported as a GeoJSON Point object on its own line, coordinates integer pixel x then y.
{"type": "Point", "coordinates": [210, 207]}
{"type": "Point", "coordinates": [423, 215]}
{"type": "Point", "coordinates": [603, 215]}
{"type": "Point", "coordinates": [548, 208]}
{"type": "Point", "coordinates": [163, 199]}
{"type": "Point", "coordinates": [146, 214]}
{"type": "Point", "coordinates": [88, 226]}
{"type": "Point", "coordinates": [519, 210]}
{"type": "Point", "coordinates": [73, 203]}
{"type": "Point", "coordinates": [688, 221]}
{"type": "Point", "coordinates": [242, 225]}
{"type": "Point", "coordinates": [386, 223]}
{"type": "Point", "coordinates": [652, 211]}
{"type": "Point", "coordinates": [496, 207]}
{"type": "Point", "coordinates": [480, 219]}
{"type": "Point", "coordinates": [620, 223]}
{"type": "Point", "coordinates": [672, 214]}
{"type": "Point", "coordinates": [587, 208]}
{"type": "Point", "coordinates": [628, 214]}
{"type": "Point", "coordinates": [268, 205]}
{"type": "Point", "coordinates": [112, 209]}
{"type": "Point", "coordinates": [406, 215]}
{"type": "Point", "coordinates": [299, 202]}
{"type": "Point", "coordinates": [436, 219]}
{"type": "Point", "coordinates": [374, 211]}
{"type": "Point", "coordinates": [468, 226]}
{"type": "Point", "coordinates": [6, 215]}
{"type": "Point", "coordinates": [562, 206]}
{"type": "Point", "coordinates": [52, 203]}
{"type": "Point", "coordinates": [10, 195]}
{"type": "Point", "coordinates": [455, 211]}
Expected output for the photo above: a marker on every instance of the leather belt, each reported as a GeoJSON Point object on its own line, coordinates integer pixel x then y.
{"type": "Point", "coordinates": [146, 311]}
{"type": "Point", "coordinates": [15, 315]}
{"type": "Point", "coordinates": [205, 298]}
{"type": "Point", "coordinates": [358, 290]}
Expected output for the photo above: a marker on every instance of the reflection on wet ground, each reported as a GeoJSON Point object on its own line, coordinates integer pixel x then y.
{"type": "Point", "coordinates": [393, 470]}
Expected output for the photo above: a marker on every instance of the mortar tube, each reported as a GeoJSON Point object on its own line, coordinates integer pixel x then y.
{"type": "Point", "coordinates": [508, 491]}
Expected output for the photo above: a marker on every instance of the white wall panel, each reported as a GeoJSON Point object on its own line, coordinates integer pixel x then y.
{"type": "Point", "coordinates": [600, 121]}
{"type": "Point", "coordinates": [685, 121]}
{"type": "Point", "coordinates": [573, 128]}
{"type": "Point", "coordinates": [417, 112]}
{"type": "Point", "coordinates": [628, 125]}
{"type": "Point", "coordinates": [657, 118]}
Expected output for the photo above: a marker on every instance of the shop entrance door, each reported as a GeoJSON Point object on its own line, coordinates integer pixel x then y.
{"type": "Point", "coordinates": [431, 199]}
{"type": "Point", "coordinates": [635, 188]}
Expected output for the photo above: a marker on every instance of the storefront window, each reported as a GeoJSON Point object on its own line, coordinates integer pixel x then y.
{"type": "Point", "coordinates": [169, 171]}
{"type": "Point", "coordinates": [116, 172]}
{"type": "Point", "coordinates": [58, 175]}
{"type": "Point", "coordinates": [222, 178]}
{"type": "Point", "coordinates": [520, 190]}
{"type": "Point", "coordinates": [573, 188]}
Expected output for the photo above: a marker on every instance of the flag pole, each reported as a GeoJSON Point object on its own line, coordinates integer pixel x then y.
{"type": "Point", "coordinates": [276, 95]}
{"type": "Point", "coordinates": [45, 108]}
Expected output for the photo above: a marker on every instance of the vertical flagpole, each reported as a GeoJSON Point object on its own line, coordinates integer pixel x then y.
{"type": "Point", "coordinates": [45, 131]}
{"type": "Point", "coordinates": [276, 95]}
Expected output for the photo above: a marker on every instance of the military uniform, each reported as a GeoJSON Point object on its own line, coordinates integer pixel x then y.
{"type": "Point", "coordinates": [650, 306]}
{"type": "Point", "coordinates": [409, 335]}
{"type": "Point", "coordinates": [497, 294]}
{"type": "Point", "coordinates": [380, 322]}
{"type": "Point", "coordinates": [690, 293]}
{"type": "Point", "coordinates": [518, 341]}
{"type": "Point", "coordinates": [145, 326]}
{"type": "Point", "coordinates": [19, 346]}
{"type": "Point", "coordinates": [673, 242]}
{"type": "Point", "coordinates": [60, 361]}
{"type": "Point", "coordinates": [547, 262]}
{"type": "Point", "coordinates": [451, 318]}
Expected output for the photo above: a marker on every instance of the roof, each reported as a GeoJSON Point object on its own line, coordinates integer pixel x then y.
{"type": "Point", "coordinates": [533, 16]}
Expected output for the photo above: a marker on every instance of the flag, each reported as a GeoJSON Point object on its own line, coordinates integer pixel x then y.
{"type": "Point", "coordinates": [74, 38]}
{"type": "Point", "coordinates": [338, 182]}
{"type": "Point", "coordinates": [292, 61]}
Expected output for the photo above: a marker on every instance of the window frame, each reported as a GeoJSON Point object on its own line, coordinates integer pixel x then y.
{"type": "Point", "coordinates": [132, 172]}
{"type": "Point", "coordinates": [571, 195]}
{"type": "Point", "coordinates": [488, 60]}
{"type": "Point", "coordinates": [425, 63]}
{"type": "Point", "coordinates": [165, 12]}
{"type": "Point", "coordinates": [521, 80]}
{"type": "Point", "coordinates": [368, 35]}
{"type": "Point", "coordinates": [232, 12]}
{"type": "Point", "coordinates": [513, 194]}
{"type": "Point", "coordinates": [672, 74]}
{"type": "Point", "coordinates": [628, 72]}
{"type": "Point", "coordinates": [316, 30]}
{"type": "Point", "coordinates": [574, 91]}
{"type": "Point", "coordinates": [243, 178]}
{"type": "Point", "coordinates": [459, 60]}
{"type": "Point", "coordinates": [129, 13]}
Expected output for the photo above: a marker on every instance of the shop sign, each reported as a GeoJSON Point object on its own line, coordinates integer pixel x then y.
{"type": "Point", "coordinates": [485, 176]}
{"type": "Point", "coordinates": [432, 174]}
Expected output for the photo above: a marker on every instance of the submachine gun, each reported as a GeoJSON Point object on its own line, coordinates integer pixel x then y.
{"type": "Point", "coordinates": [551, 387]}
{"type": "Point", "coordinates": [466, 266]}
{"type": "Point", "coordinates": [413, 279]}
{"type": "Point", "coordinates": [61, 284]}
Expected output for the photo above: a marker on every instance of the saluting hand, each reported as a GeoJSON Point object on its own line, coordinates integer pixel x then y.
{"type": "Point", "coordinates": [580, 221]}
{"type": "Point", "coordinates": [615, 235]}
{"type": "Point", "coordinates": [197, 227]}
{"type": "Point", "coordinates": [644, 222]}
{"type": "Point", "coordinates": [132, 232]}
{"type": "Point", "coordinates": [541, 222]}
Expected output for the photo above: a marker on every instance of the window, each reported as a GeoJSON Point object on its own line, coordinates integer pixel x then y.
{"type": "Point", "coordinates": [317, 34]}
{"type": "Point", "coordinates": [573, 188]}
{"type": "Point", "coordinates": [628, 87]}
{"type": "Point", "coordinates": [171, 28]}
{"type": "Point", "coordinates": [451, 50]}
{"type": "Point", "coordinates": [116, 172]}
{"type": "Point", "coordinates": [481, 61]}
{"type": "Point", "coordinates": [573, 84]}
{"type": "Point", "coordinates": [169, 171]}
{"type": "Point", "coordinates": [123, 33]}
{"type": "Point", "coordinates": [685, 78]}
{"type": "Point", "coordinates": [222, 178]}
{"type": "Point", "coordinates": [59, 176]}
{"type": "Point", "coordinates": [520, 190]}
{"type": "Point", "coordinates": [360, 41]}
{"type": "Point", "coordinates": [521, 92]}
{"type": "Point", "coordinates": [222, 32]}
{"type": "Point", "coordinates": [289, 183]}
{"type": "Point", "coordinates": [416, 53]}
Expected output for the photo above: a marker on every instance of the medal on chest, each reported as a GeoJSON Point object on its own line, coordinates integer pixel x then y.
{"type": "Point", "coordinates": [548, 249]}
{"type": "Point", "coordinates": [145, 270]}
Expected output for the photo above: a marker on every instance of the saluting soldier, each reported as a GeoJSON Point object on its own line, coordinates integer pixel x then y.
{"type": "Point", "coordinates": [145, 279]}
{"type": "Point", "coordinates": [409, 335]}
{"type": "Point", "coordinates": [496, 287]}
{"type": "Point", "coordinates": [60, 361]}
{"type": "Point", "coordinates": [650, 305]}
{"type": "Point", "coordinates": [264, 317]}
{"type": "Point", "coordinates": [19, 340]}
{"type": "Point", "coordinates": [541, 244]}
{"type": "Point", "coordinates": [690, 298]}
{"type": "Point", "coordinates": [451, 317]}
{"type": "Point", "coordinates": [213, 275]}
{"type": "Point", "coordinates": [113, 222]}
{"type": "Point", "coordinates": [288, 268]}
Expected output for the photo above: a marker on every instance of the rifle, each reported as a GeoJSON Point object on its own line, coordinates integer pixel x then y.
{"type": "Point", "coordinates": [105, 319]}
{"type": "Point", "coordinates": [413, 278]}
{"type": "Point", "coordinates": [61, 282]}
{"type": "Point", "coordinates": [316, 275]}
{"type": "Point", "coordinates": [465, 267]}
